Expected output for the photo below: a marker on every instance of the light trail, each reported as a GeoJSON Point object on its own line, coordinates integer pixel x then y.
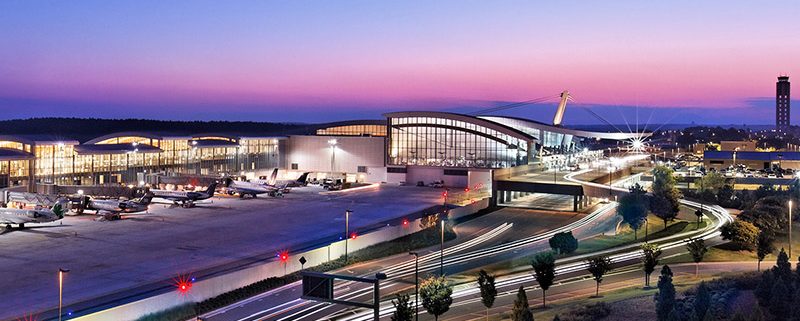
{"type": "Point", "coordinates": [576, 263]}
{"type": "Point", "coordinates": [431, 260]}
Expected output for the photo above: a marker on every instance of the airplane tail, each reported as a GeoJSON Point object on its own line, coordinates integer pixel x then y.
{"type": "Point", "coordinates": [303, 178]}
{"type": "Point", "coordinates": [146, 199]}
{"type": "Point", "coordinates": [228, 181]}
{"type": "Point", "coordinates": [211, 188]}
{"type": "Point", "coordinates": [58, 209]}
{"type": "Point", "coordinates": [274, 177]}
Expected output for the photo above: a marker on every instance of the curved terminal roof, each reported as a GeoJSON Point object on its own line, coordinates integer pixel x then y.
{"type": "Point", "coordinates": [149, 135]}
{"type": "Point", "coordinates": [7, 154]}
{"type": "Point", "coordinates": [526, 124]}
{"type": "Point", "coordinates": [94, 149]}
{"type": "Point", "coordinates": [510, 131]}
{"type": "Point", "coordinates": [213, 143]}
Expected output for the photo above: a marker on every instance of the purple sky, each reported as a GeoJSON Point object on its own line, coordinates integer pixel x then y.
{"type": "Point", "coordinates": [681, 61]}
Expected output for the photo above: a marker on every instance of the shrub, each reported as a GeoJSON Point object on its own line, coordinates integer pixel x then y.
{"type": "Point", "coordinates": [181, 312]}
{"type": "Point", "coordinates": [588, 312]}
{"type": "Point", "coordinates": [563, 243]}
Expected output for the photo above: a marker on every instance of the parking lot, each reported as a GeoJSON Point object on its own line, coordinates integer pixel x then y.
{"type": "Point", "coordinates": [110, 256]}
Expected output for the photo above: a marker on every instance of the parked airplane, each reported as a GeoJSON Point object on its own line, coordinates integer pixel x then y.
{"type": "Point", "coordinates": [112, 209]}
{"type": "Point", "coordinates": [21, 217]}
{"type": "Point", "coordinates": [186, 199]}
{"type": "Point", "coordinates": [285, 183]}
{"type": "Point", "coordinates": [250, 188]}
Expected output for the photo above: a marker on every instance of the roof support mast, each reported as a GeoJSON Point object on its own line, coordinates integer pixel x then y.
{"type": "Point", "coordinates": [562, 106]}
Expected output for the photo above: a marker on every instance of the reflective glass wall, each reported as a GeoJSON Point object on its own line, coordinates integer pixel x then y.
{"type": "Point", "coordinates": [436, 141]}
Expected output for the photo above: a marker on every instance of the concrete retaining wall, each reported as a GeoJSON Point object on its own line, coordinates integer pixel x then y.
{"type": "Point", "coordinates": [206, 288]}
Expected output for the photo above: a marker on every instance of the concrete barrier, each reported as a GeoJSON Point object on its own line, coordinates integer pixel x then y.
{"type": "Point", "coordinates": [210, 287]}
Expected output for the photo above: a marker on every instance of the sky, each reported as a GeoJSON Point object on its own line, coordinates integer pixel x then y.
{"type": "Point", "coordinates": [713, 62]}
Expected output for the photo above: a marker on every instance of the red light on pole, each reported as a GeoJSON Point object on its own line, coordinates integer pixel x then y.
{"type": "Point", "coordinates": [183, 284]}
{"type": "Point", "coordinates": [284, 256]}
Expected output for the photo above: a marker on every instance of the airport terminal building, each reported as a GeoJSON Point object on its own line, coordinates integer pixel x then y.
{"type": "Point", "coordinates": [405, 147]}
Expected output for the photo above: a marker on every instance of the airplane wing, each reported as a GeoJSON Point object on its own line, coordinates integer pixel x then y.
{"type": "Point", "coordinates": [12, 219]}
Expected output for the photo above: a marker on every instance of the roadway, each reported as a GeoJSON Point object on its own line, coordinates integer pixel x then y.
{"type": "Point", "coordinates": [496, 237]}
{"type": "Point", "coordinates": [293, 308]}
{"type": "Point", "coordinates": [111, 257]}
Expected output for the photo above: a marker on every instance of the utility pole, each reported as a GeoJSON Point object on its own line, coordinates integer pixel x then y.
{"type": "Point", "coordinates": [416, 283]}
{"type": "Point", "coordinates": [346, 232]}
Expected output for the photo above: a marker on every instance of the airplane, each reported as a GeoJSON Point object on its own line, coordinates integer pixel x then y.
{"type": "Point", "coordinates": [113, 209]}
{"type": "Point", "coordinates": [186, 199]}
{"type": "Point", "coordinates": [285, 183]}
{"type": "Point", "coordinates": [250, 188]}
{"type": "Point", "coordinates": [21, 217]}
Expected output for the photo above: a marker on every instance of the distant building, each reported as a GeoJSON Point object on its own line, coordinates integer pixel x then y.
{"type": "Point", "coordinates": [742, 146]}
{"type": "Point", "coordinates": [782, 109]}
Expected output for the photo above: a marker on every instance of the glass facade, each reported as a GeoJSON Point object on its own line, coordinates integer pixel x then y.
{"type": "Point", "coordinates": [438, 140]}
{"type": "Point", "coordinates": [354, 130]}
{"type": "Point", "coordinates": [133, 158]}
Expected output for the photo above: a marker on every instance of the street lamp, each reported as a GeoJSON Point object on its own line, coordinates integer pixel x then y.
{"type": "Point", "coordinates": [346, 232]}
{"type": "Point", "coordinates": [416, 283]}
{"type": "Point", "coordinates": [790, 229]}
{"type": "Point", "coordinates": [61, 272]}
{"type": "Point", "coordinates": [441, 252]}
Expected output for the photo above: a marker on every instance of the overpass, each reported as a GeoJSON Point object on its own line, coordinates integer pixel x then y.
{"type": "Point", "coordinates": [512, 183]}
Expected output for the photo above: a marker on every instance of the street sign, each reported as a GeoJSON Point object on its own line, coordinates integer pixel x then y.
{"type": "Point", "coordinates": [317, 287]}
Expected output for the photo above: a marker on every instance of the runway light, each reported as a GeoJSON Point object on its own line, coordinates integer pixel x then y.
{"type": "Point", "coordinates": [466, 189]}
{"type": "Point", "coordinates": [353, 236]}
{"type": "Point", "coordinates": [284, 256]}
{"type": "Point", "coordinates": [405, 222]}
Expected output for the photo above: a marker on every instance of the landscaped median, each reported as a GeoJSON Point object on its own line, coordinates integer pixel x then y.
{"type": "Point", "coordinates": [427, 237]}
{"type": "Point", "coordinates": [208, 291]}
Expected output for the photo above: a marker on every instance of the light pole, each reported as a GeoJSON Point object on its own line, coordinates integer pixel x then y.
{"type": "Point", "coordinates": [790, 229]}
{"type": "Point", "coordinates": [441, 252]}
{"type": "Point", "coordinates": [416, 283]}
{"type": "Point", "coordinates": [346, 232]}
{"type": "Point", "coordinates": [61, 272]}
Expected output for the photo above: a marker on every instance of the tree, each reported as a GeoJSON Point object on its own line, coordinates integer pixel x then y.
{"type": "Point", "coordinates": [563, 242]}
{"type": "Point", "coordinates": [598, 267]}
{"type": "Point", "coordinates": [764, 246]}
{"type": "Point", "coordinates": [783, 268]}
{"type": "Point", "coordinates": [665, 298]}
{"type": "Point", "coordinates": [521, 311]}
{"type": "Point", "coordinates": [665, 207]}
{"type": "Point", "coordinates": [742, 234]}
{"type": "Point", "coordinates": [436, 295]}
{"type": "Point", "coordinates": [665, 202]}
{"type": "Point", "coordinates": [713, 182]}
{"type": "Point", "coordinates": [702, 301]}
{"type": "Point", "coordinates": [697, 248]}
{"type": "Point", "coordinates": [650, 254]}
{"type": "Point", "coordinates": [633, 208]}
{"type": "Point", "coordinates": [403, 310]}
{"type": "Point", "coordinates": [488, 290]}
{"type": "Point", "coordinates": [699, 213]}
{"type": "Point", "coordinates": [544, 271]}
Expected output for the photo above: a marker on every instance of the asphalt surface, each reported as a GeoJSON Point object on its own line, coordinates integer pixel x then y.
{"type": "Point", "coordinates": [113, 256]}
{"type": "Point", "coordinates": [478, 244]}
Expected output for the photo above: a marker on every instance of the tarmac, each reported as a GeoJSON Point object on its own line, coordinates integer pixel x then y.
{"type": "Point", "coordinates": [111, 256]}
